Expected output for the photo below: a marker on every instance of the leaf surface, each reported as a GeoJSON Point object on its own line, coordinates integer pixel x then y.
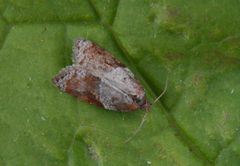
{"type": "Point", "coordinates": [196, 122]}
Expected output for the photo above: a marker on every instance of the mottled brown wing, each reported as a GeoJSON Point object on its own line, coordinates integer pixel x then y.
{"type": "Point", "coordinates": [88, 86]}
{"type": "Point", "coordinates": [88, 54]}
{"type": "Point", "coordinates": [105, 65]}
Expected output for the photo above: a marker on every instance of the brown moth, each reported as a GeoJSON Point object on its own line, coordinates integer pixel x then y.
{"type": "Point", "coordinates": [97, 77]}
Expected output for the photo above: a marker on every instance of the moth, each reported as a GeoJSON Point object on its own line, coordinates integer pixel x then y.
{"type": "Point", "coordinates": [97, 77]}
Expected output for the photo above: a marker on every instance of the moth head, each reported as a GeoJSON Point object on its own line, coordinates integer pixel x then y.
{"type": "Point", "coordinates": [147, 105]}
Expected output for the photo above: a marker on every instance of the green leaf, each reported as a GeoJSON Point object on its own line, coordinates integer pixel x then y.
{"type": "Point", "coordinates": [196, 122]}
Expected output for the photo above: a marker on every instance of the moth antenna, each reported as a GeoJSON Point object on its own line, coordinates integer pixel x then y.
{"type": "Point", "coordinates": [163, 91]}
{"type": "Point", "coordinates": [143, 119]}
{"type": "Point", "coordinates": [148, 110]}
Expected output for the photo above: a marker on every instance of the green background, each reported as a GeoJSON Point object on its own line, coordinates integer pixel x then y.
{"type": "Point", "coordinates": [196, 122]}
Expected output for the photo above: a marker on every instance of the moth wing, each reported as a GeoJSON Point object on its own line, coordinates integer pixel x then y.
{"type": "Point", "coordinates": [79, 83]}
{"type": "Point", "coordinates": [88, 86]}
{"type": "Point", "coordinates": [124, 80]}
{"type": "Point", "coordinates": [93, 57]}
